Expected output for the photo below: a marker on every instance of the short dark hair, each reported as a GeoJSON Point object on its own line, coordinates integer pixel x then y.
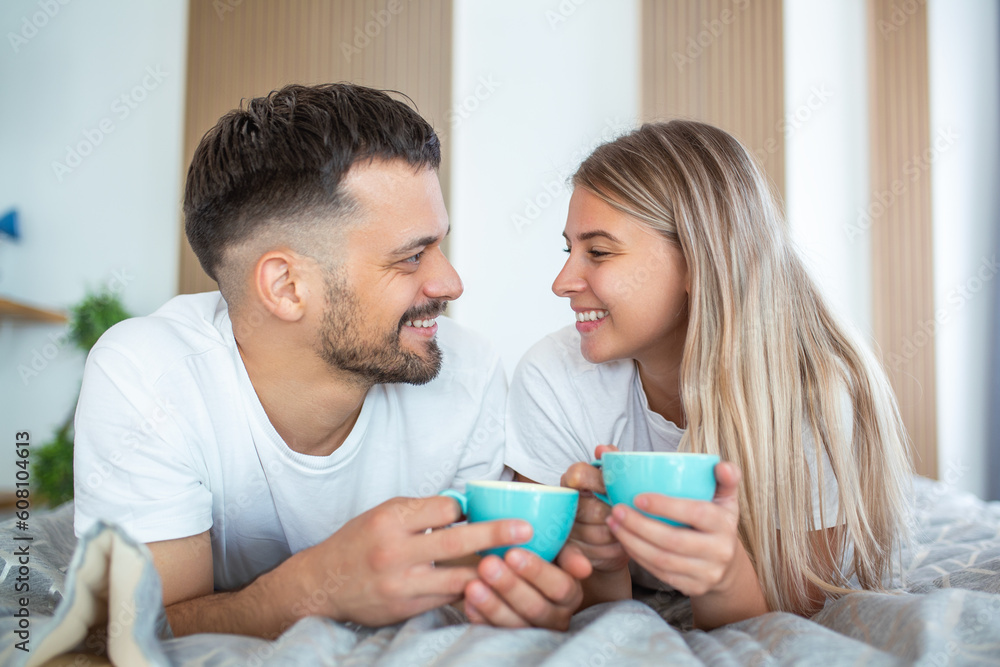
{"type": "Point", "coordinates": [282, 157]}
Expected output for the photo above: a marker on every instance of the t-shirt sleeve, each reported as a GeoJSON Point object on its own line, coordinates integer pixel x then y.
{"type": "Point", "coordinates": [132, 464]}
{"type": "Point", "coordinates": [830, 502]}
{"type": "Point", "coordinates": [483, 455]}
{"type": "Point", "coordinates": [542, 441]}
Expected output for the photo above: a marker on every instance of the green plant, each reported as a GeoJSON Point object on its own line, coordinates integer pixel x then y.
{"type": "Point", "coordinates": [90, 318]}
{"type": "Point", "coordinates": [52, 468]}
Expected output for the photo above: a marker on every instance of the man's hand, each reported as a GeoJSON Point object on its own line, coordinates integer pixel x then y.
{"type": "Point", "coordinates": [523, 590]}
{"type": "Point", "coordinates": [383, 562]}
{"type": "Point", "coordinates": [377, 569]}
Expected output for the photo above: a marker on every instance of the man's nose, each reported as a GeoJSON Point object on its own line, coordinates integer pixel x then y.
{"type": "Point", "coordinates": [445, 284]}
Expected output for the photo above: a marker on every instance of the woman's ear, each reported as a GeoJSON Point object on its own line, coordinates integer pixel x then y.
{"type": "Point", "coordinates": [280, 284]}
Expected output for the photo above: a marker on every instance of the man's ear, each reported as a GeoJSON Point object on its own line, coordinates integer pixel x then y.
{"type": "Point", "coordinates": [281, 285]}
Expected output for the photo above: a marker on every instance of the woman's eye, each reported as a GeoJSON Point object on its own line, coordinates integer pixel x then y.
{"type": "Point", "coordinates": [596, 254]}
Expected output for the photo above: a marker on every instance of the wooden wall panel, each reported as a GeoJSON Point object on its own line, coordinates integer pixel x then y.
{"type": "Point", "coordinates": [720, 62]}
{"type": "Point", "coordinates": [901, 234]}
{"type": "Point", "coordinates": [245, 49]}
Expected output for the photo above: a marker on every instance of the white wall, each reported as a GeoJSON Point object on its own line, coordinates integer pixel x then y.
{"type": "Point", "coordinates": [965, 104]}
{"type": "Point", "coordinates": [828, 190]}
{"type": "Point", "coordinates": [115, 213]}
{"type": "Point", "coordinates": [826, 134]}
{"type": "Point", "coordinates": [536, 86]}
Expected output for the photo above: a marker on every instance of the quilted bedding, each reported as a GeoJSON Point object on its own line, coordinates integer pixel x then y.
{"type": "Point", "coordinates": [102, 594]}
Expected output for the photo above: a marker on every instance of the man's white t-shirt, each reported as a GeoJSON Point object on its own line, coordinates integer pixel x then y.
{"type": "Point", "coordinates": [171, 441]}
{"type": "Point", "coordinates": [561, 407]}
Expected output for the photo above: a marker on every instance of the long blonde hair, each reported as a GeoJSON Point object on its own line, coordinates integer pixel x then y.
{"type": "Point", "coordinates": [765, 358]}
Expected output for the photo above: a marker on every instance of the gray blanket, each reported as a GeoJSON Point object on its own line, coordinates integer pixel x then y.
{"type": "Point", "coordinates": [947, 612]}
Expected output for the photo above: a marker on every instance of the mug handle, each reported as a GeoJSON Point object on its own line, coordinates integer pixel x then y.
{"type": "Point", "coordinates": [459, 497]}
{"type": "Point", "coordinates": [597, 463]}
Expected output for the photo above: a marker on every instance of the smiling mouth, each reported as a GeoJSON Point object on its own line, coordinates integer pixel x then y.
{"type": "Point", "coordinates": [591, 315]}
{"type": "Point", "coordinates": [424, 317]}
{"type": "Point", "coordinates": [421, 324]}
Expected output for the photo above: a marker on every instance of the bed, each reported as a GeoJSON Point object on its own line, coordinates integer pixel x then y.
{"type": "Point", "coordinates": [102, 593]}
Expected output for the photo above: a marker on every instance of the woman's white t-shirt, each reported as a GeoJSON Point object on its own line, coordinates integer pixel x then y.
{"type": "Point", "coordinates": [560, 407]}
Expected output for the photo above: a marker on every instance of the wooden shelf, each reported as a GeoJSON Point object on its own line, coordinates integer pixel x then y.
{"type": "Point", "coordinates": [7, 500]}
{"type": "Point", "coordinates": [16, 310]}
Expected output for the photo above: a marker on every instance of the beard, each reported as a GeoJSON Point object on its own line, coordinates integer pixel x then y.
{"type": "Point", "coordinates": [370, 356]}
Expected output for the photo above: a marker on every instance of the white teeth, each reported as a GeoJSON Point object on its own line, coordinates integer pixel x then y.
{"type": "Point", "coordinates": [420, 324]}
{"type": "Point", "coordinates": [591, 315]}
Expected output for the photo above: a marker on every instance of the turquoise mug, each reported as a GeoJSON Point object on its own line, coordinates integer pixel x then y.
{"type": "Point", "coordinates": [677, 474]}
{"type": "Point", "coordinates": [551, 511]}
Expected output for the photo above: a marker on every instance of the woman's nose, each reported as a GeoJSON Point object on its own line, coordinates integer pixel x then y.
{"type": "Point", "coordinates": [569, 281]}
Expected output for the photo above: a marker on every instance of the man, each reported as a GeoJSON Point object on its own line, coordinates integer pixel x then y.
{"type": "Point", "coordinates": [261, 439]}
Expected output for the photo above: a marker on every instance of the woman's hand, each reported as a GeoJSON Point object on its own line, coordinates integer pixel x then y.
{"type": "Point", "coordinates": [591, 530]}
{"type": "Point", "coordinates": [610, 579]}
{"type": "Point", "coordinates": [698, 560]}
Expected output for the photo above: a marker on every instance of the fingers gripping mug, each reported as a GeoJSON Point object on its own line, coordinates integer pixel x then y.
{"type": "Point", "coordinates": [677, 474]}
{"type": "Point", "coordinates": [551, 511]}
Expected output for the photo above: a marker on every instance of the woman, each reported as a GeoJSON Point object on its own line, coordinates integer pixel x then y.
{"type": "Point", "coordinates": [699, 330]}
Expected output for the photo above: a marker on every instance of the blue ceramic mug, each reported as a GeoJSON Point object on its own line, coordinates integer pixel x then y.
{"type": "Point", "coordinates": [551, 511]}
{"type": "Point", "coordinates": [677, 474]}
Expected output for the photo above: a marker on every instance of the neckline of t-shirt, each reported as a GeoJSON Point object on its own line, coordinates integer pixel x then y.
{"type": "Point", "coordinates": [654, 418]}
{"type": "Point", "coordinates": [339, 457]}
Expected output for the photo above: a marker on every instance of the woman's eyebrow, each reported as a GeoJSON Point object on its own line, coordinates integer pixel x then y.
{"type": "Point", "coordinates": [586, 236]}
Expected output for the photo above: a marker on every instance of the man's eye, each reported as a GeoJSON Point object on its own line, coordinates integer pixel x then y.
{"type": "Point", "coordinates": [415, 259]}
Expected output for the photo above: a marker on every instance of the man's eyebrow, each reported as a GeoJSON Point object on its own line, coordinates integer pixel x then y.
{"type": "Point", "coordinates": [586, 236]}
{"type": "Point", "coordinates": [418, 243]}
